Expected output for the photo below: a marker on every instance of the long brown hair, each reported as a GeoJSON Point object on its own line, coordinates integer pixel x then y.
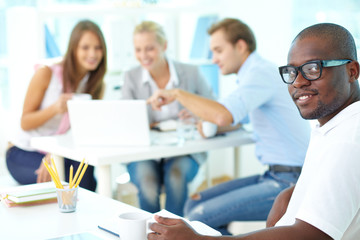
{"type": "Point", "coordinates": [95, 82]}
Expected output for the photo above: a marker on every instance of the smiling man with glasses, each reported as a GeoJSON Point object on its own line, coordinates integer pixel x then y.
{"type": "Point", "coordinates": [325, 203]}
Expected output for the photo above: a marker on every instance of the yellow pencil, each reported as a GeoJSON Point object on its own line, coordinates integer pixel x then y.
{"type": "Point", "coordinates": [77, 173]}
{"type": "Point", "coordinates": [52, 174]}
{"type": "Point", "coordinates": [54, 166]}
{"type": "Point", "coordinates": [81, 175]}
{"type": "Point", "coordinates": [48, 169]}
{"type": "Point", "coordinates": [71, 174]}
{"type": "Point", "coordinates": [55, 179]}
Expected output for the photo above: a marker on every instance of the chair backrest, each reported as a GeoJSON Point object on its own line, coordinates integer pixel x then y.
{"type": "Point", "coordinates": [201, 42]}
{"type": "Point", "coordinates": [211, 74]}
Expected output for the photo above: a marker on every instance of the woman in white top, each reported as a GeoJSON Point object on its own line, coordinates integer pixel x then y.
{"type": "Point", "coordinates": [45, 111]}
{"type": "Point", "coordinates": [159, 72]}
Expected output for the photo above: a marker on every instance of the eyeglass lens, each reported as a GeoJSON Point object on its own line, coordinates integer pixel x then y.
{"type": "Point", "coordinates": [310, 71]}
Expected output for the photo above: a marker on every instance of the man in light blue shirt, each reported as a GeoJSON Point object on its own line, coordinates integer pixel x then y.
{"type": "Point", "coordinates": [281, 135]}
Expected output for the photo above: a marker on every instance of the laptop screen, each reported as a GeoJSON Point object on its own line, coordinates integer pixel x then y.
{"type": "Point", "coordinates": [109, 122]}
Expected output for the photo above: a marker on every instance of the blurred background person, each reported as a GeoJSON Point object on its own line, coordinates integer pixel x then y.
{"type": "Point", "coordinates": [157, 71]}
{"type": "Point", "coordinates": [82, 70]}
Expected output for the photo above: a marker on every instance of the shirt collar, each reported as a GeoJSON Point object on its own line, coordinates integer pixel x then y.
{"type": "Point", "coordinates": [253, 57]}
{"type": "Point", "coordinates": [146, 77]}
{"type": "Point", "coordinates": [346, 113]}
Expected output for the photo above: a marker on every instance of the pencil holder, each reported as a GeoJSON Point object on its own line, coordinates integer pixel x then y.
{"type": "Point", "coordinates": [67, 199]}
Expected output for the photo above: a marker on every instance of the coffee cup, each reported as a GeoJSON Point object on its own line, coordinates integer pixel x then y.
{"type": "Point", "coordinates": [209, 129]}
{"type": "Point", "coordinates": [133, 225]}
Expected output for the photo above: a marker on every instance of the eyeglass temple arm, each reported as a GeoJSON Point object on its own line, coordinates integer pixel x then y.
{"type": "Point", "coordinates": [333, 63]}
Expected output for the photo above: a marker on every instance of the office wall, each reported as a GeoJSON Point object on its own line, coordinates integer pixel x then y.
{"type": "Point", "coordinates": [20, 67]}
{"type": "Point", "coordinates": [271, 22]}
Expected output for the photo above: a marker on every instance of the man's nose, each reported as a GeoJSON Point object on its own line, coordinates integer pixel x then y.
{"type": "Point", "coordinates": [300, 81]}
{"type": "Point", "coordinates": [215, 60]}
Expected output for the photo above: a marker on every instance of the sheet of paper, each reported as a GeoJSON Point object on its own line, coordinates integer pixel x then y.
{"type": "Point", "coordinates": [111, 225]}
{"type": "Point", "coordinates": [168, 125]}
{"type": "Point", "coordinates": [199, 227]}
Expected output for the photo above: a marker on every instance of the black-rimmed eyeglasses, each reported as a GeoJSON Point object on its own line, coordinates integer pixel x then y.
{"type": "Point", "coordinates": [310, 70]}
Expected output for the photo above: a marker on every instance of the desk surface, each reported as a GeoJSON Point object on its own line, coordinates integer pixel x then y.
{"type": "Point", "coordinates": [64, 146]}
{"type": "Point", "coordinates": [46, 221]}
{"type": "Point", "coordinates": [103, 157]}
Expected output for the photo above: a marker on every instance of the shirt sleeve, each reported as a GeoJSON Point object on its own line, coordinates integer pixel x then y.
{"type": "Point", "coordinates": [255, 88]}
{"type": "Point", "coordinates": [332, 200]}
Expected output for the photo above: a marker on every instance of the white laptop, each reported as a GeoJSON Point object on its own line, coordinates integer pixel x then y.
{"type": "Point", "coordinates": [109, 122]}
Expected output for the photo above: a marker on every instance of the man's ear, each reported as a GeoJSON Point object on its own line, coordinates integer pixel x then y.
{"type": "Point", "coordinates": [353, 71]}
{"type": "Point", "coordinates": [241, 46]}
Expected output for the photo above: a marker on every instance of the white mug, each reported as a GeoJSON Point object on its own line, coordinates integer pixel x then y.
{"type": "Point", "coordinates": [133, 225]}
{"type": "Point", "coordinates": [209, 129]}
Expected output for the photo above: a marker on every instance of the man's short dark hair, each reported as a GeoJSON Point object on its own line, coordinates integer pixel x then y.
{"type": "Point", "coordinates": [340, 40]}
{"type": "Point", "coordinates": [234, 30]}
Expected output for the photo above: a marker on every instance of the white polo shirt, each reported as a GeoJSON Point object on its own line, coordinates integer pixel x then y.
{"type": "Point", "coordinates": [327, 194]}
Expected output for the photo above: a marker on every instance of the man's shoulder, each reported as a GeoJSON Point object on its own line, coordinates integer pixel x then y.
{"type": "Point", "coordinates": [345, 126]}
{"type": "Point", "coordinates": [264, 63]}
{"type": "Point", "coordinates": [262, 70]}
{"type": "Point", "coordinates": [257, 64]}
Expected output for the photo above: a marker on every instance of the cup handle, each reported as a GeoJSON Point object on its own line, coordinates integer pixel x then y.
{"type": "Point", "coordinates": [148, 223]}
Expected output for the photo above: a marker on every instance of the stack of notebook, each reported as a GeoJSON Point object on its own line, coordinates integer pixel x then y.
{"type": "Point", "coordinates": [27, 195]}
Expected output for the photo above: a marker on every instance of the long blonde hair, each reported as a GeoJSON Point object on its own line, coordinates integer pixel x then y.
{"type": "Point", "coordinates": [95, 82]}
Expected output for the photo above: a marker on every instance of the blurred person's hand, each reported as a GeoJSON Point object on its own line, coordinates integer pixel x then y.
{"type": "Point", "coordinates": [61, 103]}
{"type": "Point", "coordinates": [186, 114]}
{"type": "Point", "coordinates": [160, 98]}
{"type": "Point", "coordinates": [42, 173]}
{"type": "Point", "coordinates": [171, 229]}
{"type": "Point", "coordinates": [199, 128]}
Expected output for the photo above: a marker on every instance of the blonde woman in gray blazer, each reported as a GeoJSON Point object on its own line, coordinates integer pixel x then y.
{"type": "Point", "coordinates": [156, 71]}
{"type": "Point", "coordinates": [136, 86]}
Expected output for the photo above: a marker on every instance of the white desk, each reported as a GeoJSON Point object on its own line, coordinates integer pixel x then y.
{"type": "Point", "coordinates": [46, 221]}
{"type": "Point", "coordinates": [102, 157]}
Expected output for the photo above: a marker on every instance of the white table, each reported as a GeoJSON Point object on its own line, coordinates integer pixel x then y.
{"type": "Point", "coordinates": [46, 221]}
{"type": "Point", "coordinates": [102, 157]}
